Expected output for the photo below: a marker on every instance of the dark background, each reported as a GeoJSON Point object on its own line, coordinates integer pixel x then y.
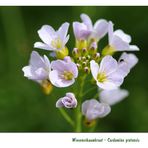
{"type": "Point", "coordinates": [23, 106]}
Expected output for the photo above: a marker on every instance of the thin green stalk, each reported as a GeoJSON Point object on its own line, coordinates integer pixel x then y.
{"type": "Point", "coordinates": [78, 110]}
{"type": "Point", "coordinates": [66, 117]}
{"type": "Point", "coordinates": [89, 90]}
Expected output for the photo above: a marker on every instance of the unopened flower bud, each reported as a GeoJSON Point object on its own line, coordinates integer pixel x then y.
{"type": "Point", "coordinates": [67, 59]}
{"type": "Point", "coordinates": [88, 57]}
{"type": "Point", "coordinates": [79, 58]}
{"type": "Point", "coordinates": [86, 69]}
{"type": "Point", "coordinates": [87, 61]}
{"type": "Point", "coordinates": [84, 50]}
{"type": "Point", "coordinates": [84, 63]}
{"type": "Point", "coordinates": [83, 58]}
{"type": "Point", "coordinates": [69, 101]}
{"type": "Point", "coordinates": [79, 66]}
{"type": "Point", "coordinates": [96, 55]}
{"type": "Point", "coordinates": [75, 52]}
{"type": "Point", "coordinates": [93, 46]}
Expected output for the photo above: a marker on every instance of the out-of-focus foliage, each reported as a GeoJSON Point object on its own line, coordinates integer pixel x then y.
{"type": "Point", "coordinates": [23, 106]}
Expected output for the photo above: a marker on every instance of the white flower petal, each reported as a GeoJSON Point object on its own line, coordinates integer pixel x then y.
{"type": "Point", "coordinates": [27, 72]}
{"type": "Point", "coordinates": [57, 65]}
{"type": "Point", "coordinates": [42, 46]}
{"type": "Point", "coordinates": [123, 69]}
{"type": "Point", "coordinates": [85, 106]}
{"type": "Point", "coordinates": [112, 97]}
{"type": "Point", "coordinates": [107, 85]}
{"type": "Point", "coordinates": [110, 32]}
{"type": "Point", "coordinates": [63, 30]}
{"type": "Point", "coordinates": [36, 60]}
{"type": "Point", "coordinates": [116, 78]}
{"type": "Point", "coordinates": [94, 69]}
{"type": "Point", "coordinates": [101, 28]}
{"type": "Point", "coordinates": [47, 63]}
{"type": "Point", "coordinates": [118, 44]}
{"type": "Point", "coordinates": [45, 33]}
{"type": "Point", "coordinates": [130, 59]}
{"type": "Point", "coordinates": [70, 95]}
{"type": "Point", "coordinates": [125, 37]}
{"type": "Point", "coordinates": [59, 103]}
{"type": "Point", "coordinates": [40, 74]}
{"type": "Point", "coordinates": [87, 21]}
{"type": "Point", "coordinates": [54, 78]}
{"type": "Point", "coordinates": [108, 65]}
{"type": "Point", "coordinates": [81, 31]}
{"type": "Point", "coordinates": [104, 110]}
{"type": "Point", "coordinates": [92, 109]}
{"type": "Point", "coordinates": [65, 40]}
{"type": "Point", "coordinates": [133, 48]}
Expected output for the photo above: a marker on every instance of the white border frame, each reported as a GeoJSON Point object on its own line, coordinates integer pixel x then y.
{"type": "Point", "coordinates": [73, 2]}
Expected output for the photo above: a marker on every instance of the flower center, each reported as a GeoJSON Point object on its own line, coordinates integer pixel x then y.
{"type": "Point", "coordinates": [101, 77]}
{"type": "Point", "coordinates": [68, 75]}
{"type": "Point", "coordinates": [56, 43]}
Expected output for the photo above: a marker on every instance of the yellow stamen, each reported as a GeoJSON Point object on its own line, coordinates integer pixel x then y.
{"type": "Point", "coordinates": [101, 77]}
{"type": "Point", "coordinates": [67, 75]}
{"type": "Point", "coordinates": [56, 43]}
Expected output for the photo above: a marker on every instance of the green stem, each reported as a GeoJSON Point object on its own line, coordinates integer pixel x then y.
{"type": "Point", "coordinates": [66, 117]}
{"type": "Point", "coordinates": [78, 110]}
{"type": "Point", "coordinates": [89, 90]}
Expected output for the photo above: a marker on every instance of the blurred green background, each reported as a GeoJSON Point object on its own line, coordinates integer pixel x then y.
{"type": "Point", "coordinates": [23, 106]}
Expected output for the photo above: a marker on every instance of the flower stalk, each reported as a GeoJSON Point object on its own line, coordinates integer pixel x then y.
{"type": "Point", "coordinates": [66, 117]}
{"type": "Point", "coordinates": [81, 82]}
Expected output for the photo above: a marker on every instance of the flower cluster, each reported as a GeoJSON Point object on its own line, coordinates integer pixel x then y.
{"type": "Point", "coordinates": [86, 58]}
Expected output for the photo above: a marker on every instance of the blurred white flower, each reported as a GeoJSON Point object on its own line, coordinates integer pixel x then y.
{"type": "Point", "coordinates": [38, 68]}
{"type": "Point", "coordinates": [107, 74]}
{"type": "Point", "coordinates": [93, 109]}
{"type": "Point", "coordinates": [120, 41]}
{"type": "Point", "coordinates": [63, 73]}
{"type": "Point", "coordinates": [112, 97]}
{"type": "Point", "coordinates": [53, 40]}
{"type": "Point", "coordinates": [69, 101]}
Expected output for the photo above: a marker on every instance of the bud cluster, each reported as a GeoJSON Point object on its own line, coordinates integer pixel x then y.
{"type": "Point", "coordinates": [83, 56]}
